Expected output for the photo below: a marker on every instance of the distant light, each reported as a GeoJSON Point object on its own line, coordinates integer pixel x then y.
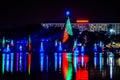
{"type": "Point", "coordinates": [112, 30]}
{"type": "Point", "coordinates": [82, 49]}
{"type": "Point", "coordinates": [47, 40]}
{"type": "Point", "coordinates": [60, 46]}
{"type": "Point", "coordinates": [42, 40]}
{"type": "Point", "coordinates": [67, 13]}
{"type": "Point", "coordinates": [20, 48]}
{"type": "Point", "coordinates": [41, 47]}
{"type": "Point", "coordinates": [82, 21]}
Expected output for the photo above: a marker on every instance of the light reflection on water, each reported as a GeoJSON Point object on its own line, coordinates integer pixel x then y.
{"type": "Point", "coordinates": [75, 66]}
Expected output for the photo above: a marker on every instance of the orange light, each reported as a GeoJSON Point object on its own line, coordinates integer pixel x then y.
{"type": "Point", "coordinates": [82, 21]}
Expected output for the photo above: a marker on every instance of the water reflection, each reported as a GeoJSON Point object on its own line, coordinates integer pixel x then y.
{"type": "Point", "coordinates": [82, 74]}
{"type": "Point", "coordinates": [55, 56]}
{"type": "Point", "coordinates": [110, 59]}
{"type": "Point", "coordinates": [46, 63]}
{"type": "Point", "coordinates": [100, 61]}
{"type": "Point", "coordinates": [41, 61]}
{"type": "Point", "coordinates": [95, 61]}
{"type": "Point", "coordinates": [82, 71]}
{"type": "Point", "coordinates": [60, 61]}
{"type": "Point", "coordinates": [67, 66]}
{"type": "Point", "coordinates": [70, 66]}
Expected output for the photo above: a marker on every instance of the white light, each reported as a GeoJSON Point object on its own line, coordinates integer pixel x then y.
{"type": "Point", "coordinates": [112, 30]}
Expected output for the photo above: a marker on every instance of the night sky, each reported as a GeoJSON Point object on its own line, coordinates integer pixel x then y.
{"type": "Point", "coordinates": [20, 13]}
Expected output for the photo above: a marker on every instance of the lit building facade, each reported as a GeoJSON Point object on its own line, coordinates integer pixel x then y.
{"type": "Point", "coordinates": [111, 28]}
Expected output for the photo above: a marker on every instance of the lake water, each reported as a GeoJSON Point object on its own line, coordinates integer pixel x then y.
{"type": "Point", "coordinates": [60, 66]}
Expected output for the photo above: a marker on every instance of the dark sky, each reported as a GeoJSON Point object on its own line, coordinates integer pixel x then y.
{"type": "Point", "coordinates": [34, 12]}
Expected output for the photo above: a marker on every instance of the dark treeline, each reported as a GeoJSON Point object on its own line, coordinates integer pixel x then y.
{"type": "Point", "coordinates": [37, 31]}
